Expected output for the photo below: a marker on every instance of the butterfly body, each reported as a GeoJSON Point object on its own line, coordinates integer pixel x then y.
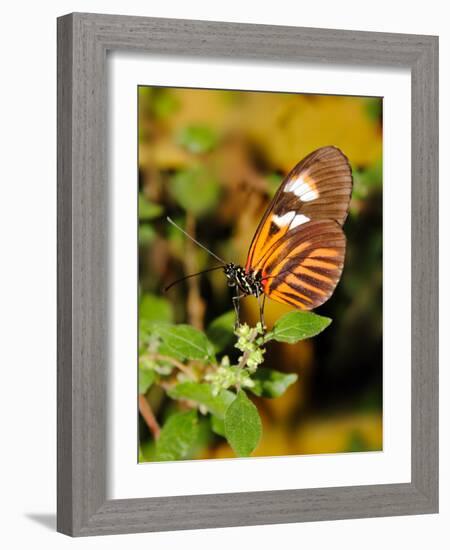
{"type": "Point", "coordinates": [250, 284]}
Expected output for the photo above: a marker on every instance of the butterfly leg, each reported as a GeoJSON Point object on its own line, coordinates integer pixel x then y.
{"type": "Point", "coordinates": [261, 303]}
{"type": "Point", "coordinates": [236, 304]}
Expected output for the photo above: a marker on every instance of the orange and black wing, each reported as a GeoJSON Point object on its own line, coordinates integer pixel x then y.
{"type": "Point", "coordinates": [318, 188]}
{"type": "Point", "coordinates": [304, 267]}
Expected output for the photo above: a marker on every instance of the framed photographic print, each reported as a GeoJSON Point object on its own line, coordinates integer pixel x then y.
{"type": "Point", "coordinates": [247, 274]}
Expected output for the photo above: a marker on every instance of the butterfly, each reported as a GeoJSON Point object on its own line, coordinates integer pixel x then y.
{"type": "Point", "coordinates": [297, 254]}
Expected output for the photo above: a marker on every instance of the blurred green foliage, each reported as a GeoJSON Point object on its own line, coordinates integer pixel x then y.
{"type": "Point", "coordinates": [220, 331]}
{"type": "Point", "coordinates": [155, 308]}
{"type": "Point", "coordinates": [197, 139]}
{"type": "Point", "coordinates": [195, 190]}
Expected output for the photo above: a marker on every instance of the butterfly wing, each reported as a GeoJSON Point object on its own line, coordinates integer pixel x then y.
{"type": "Point", "coordinates": [303, 267]}
{"type": "Point", "coordinates": [318, 188]}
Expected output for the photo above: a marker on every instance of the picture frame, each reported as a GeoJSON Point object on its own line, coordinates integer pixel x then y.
{"type": "Point", "coordinates": [83, 43]}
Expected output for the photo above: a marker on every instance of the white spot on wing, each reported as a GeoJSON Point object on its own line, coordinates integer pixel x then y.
{"type": "Point", "coordinates": [283, 220]}
{"type": "Point", "coordinates": [290, 218]}
{"type": "Point", "coordinates": [302, 189]}
{"type": "Point", "coordinates": [310, 196]}
{"type": "Point", "coordinates": [291, 185]}
{"type": "Point", "coordinates": [298, 220]}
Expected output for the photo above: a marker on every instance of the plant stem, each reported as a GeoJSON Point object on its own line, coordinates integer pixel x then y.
{"type": "Point", "coordinates": [148, 416]}
{"type": "Point", "coordinates": [246, 354]}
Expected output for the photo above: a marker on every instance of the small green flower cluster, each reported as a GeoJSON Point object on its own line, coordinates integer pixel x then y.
{"type": "Point", "coordinates": [250, 342]}
{"type": "Point", "coordinates": [225, 377]}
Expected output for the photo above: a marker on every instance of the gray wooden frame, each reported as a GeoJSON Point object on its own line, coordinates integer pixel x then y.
{"type": "Point", "coordinates": [83, 42]}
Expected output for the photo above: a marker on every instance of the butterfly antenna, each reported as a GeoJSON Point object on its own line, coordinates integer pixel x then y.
{"type": "Point", "coordinates": [191, 275]}
{"type": "Point", "coordinates": [195, 241]}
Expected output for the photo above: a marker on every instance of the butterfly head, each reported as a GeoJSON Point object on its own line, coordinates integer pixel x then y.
{"type": "Point", "coordinates": [246, 282]}
{"type": "Point", "coordinates": [230, 271]}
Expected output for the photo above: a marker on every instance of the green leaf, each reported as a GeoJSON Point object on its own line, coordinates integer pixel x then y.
{"type": "Point", "coordinates": [153, 308]}
{"type": "Point", "coordinates": [164, 349]}
{"type": "Point", "coordinates": [145, 333]}
{"type": "Point", "coordinates": [147, 451]}
{"type": "Point", "coordinates": [220, 331]}
{"type": "Point", "coordinates": [146, 377]}
{"type": "Point", "coordinates": [195, 190]}
{"type": "Point", "coordinates": [203, 438]}
{"type": "Point", "coordinates": [177, 436]}
{"type": "Point", "coordinates": [148, 336]}
{"type": "Point", "coordinates": [271, 383]}
{"type": "Point", "coordinates": [217, 425]}
{"type": "Point", "coordinates": [197, 139]}
{"type": "Point", "coordinates": [148, 210]}
{"type": "Point", "coordinates": [297, 325]}
{"type": "Point", "coordinates": [186, 341]}
{"type": "Point", "coordinates": [243, 427]}
{"type": "Point", "coordinates": [203, 395]}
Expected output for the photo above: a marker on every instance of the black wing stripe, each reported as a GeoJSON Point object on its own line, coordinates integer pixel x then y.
{"type": "Point", "coordinates": [312, 234]}
{"type": "Point", "coordinates": [306, 265]}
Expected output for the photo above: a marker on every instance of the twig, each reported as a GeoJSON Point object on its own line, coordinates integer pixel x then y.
{"type": "Point", "coordinates": [195, 304]}
{"type": "Point", "coordinates": [148, 416]}
{"type": "Point", "coordinates": [174, 362]}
